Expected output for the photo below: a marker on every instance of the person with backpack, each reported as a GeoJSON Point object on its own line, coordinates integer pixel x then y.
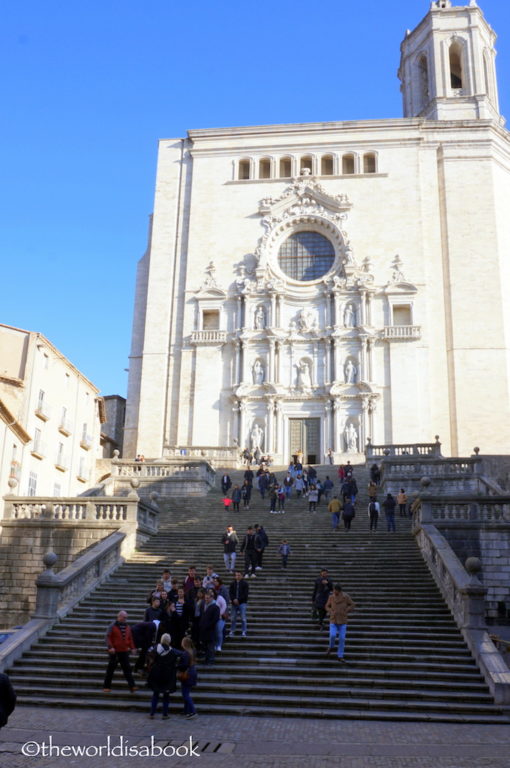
{"type": "Point", "coordinates": [261, 542]}
{"type": "Point", "coordinates": [348, 513]}
{"type": "Point", "coordinates": [284, 551]}
{"type": "Point", "coordinates": [230, 542]}
{"type": "Point", "coordinates": [389, 505]}
{"type": "Point", "coordinates": [374, 511]}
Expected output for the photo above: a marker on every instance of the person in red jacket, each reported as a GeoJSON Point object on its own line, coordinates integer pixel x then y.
{"type": "Point", "coordinates": [119, 641]}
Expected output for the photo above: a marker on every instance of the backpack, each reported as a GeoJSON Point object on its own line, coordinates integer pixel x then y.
{"type": "Point", "coordinates": [372, 507]}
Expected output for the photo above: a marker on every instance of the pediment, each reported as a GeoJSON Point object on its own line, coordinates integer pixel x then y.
{"type": "Point", "coordinates": [307, 197]}
{"type": "Point", "coordinates": [210, 293]}
{"type": "Point", "coordinates": [400, 288]}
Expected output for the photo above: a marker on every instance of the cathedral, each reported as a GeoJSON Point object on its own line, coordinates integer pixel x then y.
{"type": "Point", "coordinates": [315, 286]}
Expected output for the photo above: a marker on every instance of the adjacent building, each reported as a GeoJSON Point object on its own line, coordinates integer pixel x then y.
{"type": "Point", "coordinates": [312, 286]}
{"type": "Point", "coordinates": [50, 419]}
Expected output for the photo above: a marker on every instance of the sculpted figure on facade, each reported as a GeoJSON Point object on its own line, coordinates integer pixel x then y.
{"type": "Point", "coordinates": [304, 375]}
{"type": "Point", "coordinates": [256, 437]}
{"type": "Point", "coordinates": [259, 318]}
{"type": "Point", "coordinates": [351, 438]}
{"type": "Point", "coordinates": [350, 372]}
{"type": "Point", "coordinates": [258, 372]}
{"type": "Point", "coordinates": [307, 320]}
{"type": "Point", "coordinates": [349, 316]}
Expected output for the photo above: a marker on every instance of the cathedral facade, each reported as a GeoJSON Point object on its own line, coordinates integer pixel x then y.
{"type": "Point", "coordinates": [312, 286]}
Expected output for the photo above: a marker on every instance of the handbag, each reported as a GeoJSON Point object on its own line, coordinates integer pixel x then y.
{"type": "Point", "coordinates": [183, 675]}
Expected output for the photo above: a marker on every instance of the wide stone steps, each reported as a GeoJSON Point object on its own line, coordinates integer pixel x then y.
{"type": "Point", "coordinates": [407, 658]}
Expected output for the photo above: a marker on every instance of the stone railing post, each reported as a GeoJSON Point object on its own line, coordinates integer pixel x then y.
{"type": "Point", "coordinates": [472, 606]}
{"type": "Point", "coordinates": [48, 590]}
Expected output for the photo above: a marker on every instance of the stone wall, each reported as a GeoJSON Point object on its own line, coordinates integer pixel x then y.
{"type": "Point", "coordinates": [492, 546]}
{"type": "Point", "coordinates": [497, 468]}
{"type": "Point", "coordinates": [22, 546]}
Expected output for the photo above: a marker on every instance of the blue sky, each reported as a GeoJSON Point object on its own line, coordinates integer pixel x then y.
{"type": "Point", "coordinates": [89, 88]}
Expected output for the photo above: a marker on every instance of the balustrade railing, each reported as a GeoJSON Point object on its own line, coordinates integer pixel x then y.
{"type": "Point", "coordinates": [489, 510]}
{"type": "Point", "coordinates": [147, 471]}
{"type": "Point", "coordinates": [401, 332]}
{"type": "Point", "coordinates": [208, 337]}
{"type": "Point", "coordinates": [403, 450]}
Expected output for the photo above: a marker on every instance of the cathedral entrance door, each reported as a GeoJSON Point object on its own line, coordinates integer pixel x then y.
{"type": "Point", "coordinates": [304, 435]}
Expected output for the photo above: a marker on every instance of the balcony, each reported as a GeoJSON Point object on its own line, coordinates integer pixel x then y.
{"type": "Point", "coordinates": [86, 442]}
{"type": "Point", "coordinates": [39, 450]}
{"type": "Point", "coordinates": [402, 332]}
{"type": "Point", "coordinates": [43, 411]}
{"type": "Point", "coordinates": [62, 463]}
{"type": "Point", "coordinates": [65, 427]}
{"type": "Point", "coordinates": [212, 337]}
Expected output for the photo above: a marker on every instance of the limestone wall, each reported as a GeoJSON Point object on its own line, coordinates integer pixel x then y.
{"type": "Point", "coordinates": [22, 546]}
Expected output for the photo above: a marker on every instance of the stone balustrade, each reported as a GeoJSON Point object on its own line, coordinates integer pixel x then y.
{"type": "Point", "coordinates": [216, 456]}
{"type": "Point", "coordinates": [167, 477]}
{"type": "Point", "coordinates": [489, 511]}
{"type": "Point", "coordinates": [447, 476]}
{"type": "Point", "coordinates": [433, 450]}
{"type": "Point", "coordinates": [401, 332]}
{"type": "Point", "coordinates": [208, 337]}
{"type": "Point", "coordinates": [465, 596]}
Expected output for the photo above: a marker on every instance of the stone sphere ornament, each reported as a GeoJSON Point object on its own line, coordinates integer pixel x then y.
{"type": "Point", "coordinates": [473, 565]}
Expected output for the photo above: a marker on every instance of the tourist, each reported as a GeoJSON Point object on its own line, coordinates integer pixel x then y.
{"type": "Point", "coordinates": [120, 643]}
{"type": "Point", "coordinates": [281, 499]}
{"type": "Point", "coordinates": [238, 593]}
{"type": "Point", "coordinates": [250, 553]}
{"type": "Point", "coordinates": [263, 484]}
{"type": "Point", "coordinates": [156, 592]}
{"type": "Point", "coordinates": [261, 542]}
{"type": "Point", "coordinates": [334, 509]}
{"type": "Point", "coordinates": [284, 551]}
{"type": "Point", "coordinates": [222, 604]}
{"type": "Point", "coordinates": [230, 542]}
{"type": "Point", "coordinates": [402, 502]}
{"type": "Point", "coordinates": [162, 675]}
{"type": "Point", "coordinates": [321, 591]}
{"type": "Point", "coordinates": [375, 474]}
{"type": "Point", "coordinates": [313, 498]}
{"type": "Point", "coordinates": [338, 606]}
{"type": "Point", "coordinates": [330, 456]}
{"type": "Point", "coordinates": [189, 581]}
{"type": "Point", "coordinates": [236, 497]}
{"type": "Point", "coordinates": [227, 503]}
{"type": "Point", "coordinates": [389, 505]}
{"type": "Point", "coordinates": [153, 612]}
{"type": "Point", "coordinates": [273, 499]}
{"type": "Point", "coordinates": [348, 513]}
{"type": "Point", "coordinates": [327, 488]}
{"type": "Point", "coordinates": [207, 626]}
{"type": "Point", "coordinates": [221, 589]}
{"type": "Point", "coordinates": [299, 485]}
{"type": "Point", "coordinates": [166, 580]}
{"type": "Point", "coordinates": [248, 476]}
{"type": "Point", "coordinates": [7, 699]}
{"type": "Point", "coordinates": [374, 511]}
{"type": "Point", "coordinates": [144, 635]}
{"type": "Point", "coordinates": [187, 674]}
{"type": "Point", "coordinates": [197, 610]}
{"type": "Point", "coordinates": [208, 580]}
{"type": "Point", "coordinates": [226, 483]}
{"type": "Point", "coordinates": [348, 470]}
{"type": "Point", "coordinates": [287, 484]}
{"type": "Point", "coordinates": [246, 494]}
{"type": "Point", "coordinates": [372, 491]}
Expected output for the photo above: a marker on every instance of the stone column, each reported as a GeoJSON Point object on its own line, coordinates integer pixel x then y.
{"type": "Point", "coordinates": [336, 415]}
{"type": "Point", "coordinates": [363, 431]}
{"type": "Point", "coordinates": [239, 313]}
{"type": "Point", "coordinates": [363, 309]}
{"type": "Point", "coordinates": [236, 429]}
{"type": "Point", "coordinates": [371, 410]}
{"type": "Point", "coordinates": [369, 360]}
{"type": "Point", "coordinates": [243, 360]}
{"type": "Point", "coordinates": [337, 363]}
{"type": "Point", "coordinates": [270, 427]}
{"type": "Point", "coordinates": [337, 309]}
{"type": "Point", "coordinates": [278, 352]}
{"type": "Point", "coordinates": [279, 429]}
{"type": "Point", "coordinates": [278, 319]}
{"type": "Point", "coordinates": [291, 364]}
{"type": "Point", "coordinates": [272, 324]}
{"type": "Point", "coordinates": [362, 372]}
{"type": "Point", "coordinates": [327, 308]}
{"type": "Point", "coordinates": [237, 363]}
{"type": "Point", "coordinates": [328, 443]}
{"type": "Point", "coordinates": [315, 372]}
{"type": "Point", "coordinates": [242, 429]}
{"type": "Point", "coordinates": [271, 377]}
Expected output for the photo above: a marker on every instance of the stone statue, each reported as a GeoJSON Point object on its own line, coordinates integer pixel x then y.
{"type": "Point", "coordinates": [349, 316]}
{"type": "Point", "coordinates": [350, 372]}
{"type": "Point", "coordinates": [304, 376]}
{"type": "Point", "coordinates": [351, 438]}
{"type": "Point", "coordinates": [259, 319]}
{"type": "Point", "coordinates": [307, 320]}
{"type": "Point", "coordinates": [256, 437]}
{"type": "Point", "coordinates": [258, 372]}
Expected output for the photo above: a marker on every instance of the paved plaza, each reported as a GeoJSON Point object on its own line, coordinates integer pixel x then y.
{"type": "Point", "coordinates": [246, 741]}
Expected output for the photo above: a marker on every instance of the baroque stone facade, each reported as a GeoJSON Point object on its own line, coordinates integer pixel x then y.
{"type": "Point", "coordinates": [310, 286]}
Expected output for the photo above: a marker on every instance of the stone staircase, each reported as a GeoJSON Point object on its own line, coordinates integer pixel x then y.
{"type": "Point", "coordinates": [407, 658]}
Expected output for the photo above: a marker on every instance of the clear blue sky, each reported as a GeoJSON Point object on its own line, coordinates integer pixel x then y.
{"type": "Point", "coordinates": [89, 88]}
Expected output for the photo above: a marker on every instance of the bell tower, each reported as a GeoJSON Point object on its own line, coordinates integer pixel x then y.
{"type": "Point", "coordinates": [448, 65]}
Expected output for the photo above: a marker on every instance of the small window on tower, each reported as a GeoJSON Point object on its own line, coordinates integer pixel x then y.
{"type": "Point", "coordinates": [369, 163]}
{"type": "Point", "coordinates": [306, 164]}
{"type": "Point", "coordinates": [265, 168]}
{"type": "Point", "coordinates": [327, 165]}
{"type": "Point", "coordinates": [285, 168]}
{"type": "Point", "coordinates": [244, 169]}
{"type": "Point", "coordinates": [348, 165]}
{"type": "Point", "coordinates": [211, 320]}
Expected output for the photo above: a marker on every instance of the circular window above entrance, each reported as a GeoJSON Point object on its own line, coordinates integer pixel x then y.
{"type": "Point", "coordinates": [306, 256]}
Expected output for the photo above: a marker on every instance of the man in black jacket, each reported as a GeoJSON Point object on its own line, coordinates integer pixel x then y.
{"type": "Point", "coordinates": [322, 589]}
{"type": "Point", "coordinates": [226, 482]}
{"type": "Point", "coordinates": [238, 592]}
{"type": "Point", "coordinates": [249, 547]}
{"type": "Point", "coordinates": [7, 699]}
{"type": "Point", "coordinates": [207, 626]}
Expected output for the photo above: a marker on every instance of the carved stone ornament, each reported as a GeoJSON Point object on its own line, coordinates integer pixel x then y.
{"type": "Point", "coordinates": [304, 204]}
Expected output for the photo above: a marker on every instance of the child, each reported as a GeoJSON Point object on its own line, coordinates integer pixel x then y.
{"type": "Point", "coordinates": [227, 503]}
{"type": "Point", "coordinates": [284, 550]}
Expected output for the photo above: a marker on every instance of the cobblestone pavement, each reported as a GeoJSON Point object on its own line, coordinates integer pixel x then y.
{"type": "Point", "coordinates": [247, 741]}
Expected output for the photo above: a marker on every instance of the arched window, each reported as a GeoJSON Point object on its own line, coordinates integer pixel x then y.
{"type": "Point", "coordinates": [285, 168]}
{"type": "Point", "coordinates": [265, 168]}
{"type": "Point", "coordinates": [306, 256]}
{"type": "Point", "coordinates": [244, 169]}
{"type": "Point", "coordinates": [369, 165]}
{"type": "Point", "coordinates": [423, 72]}
{"type": "Point", "coordinates": [348, 164]}
{"type": "Point", "coordinates": [456, 75]}
{"type": "Point", "coordinates": [306, 163]}
{"type": "Point", "coordinates": [327, 165]}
